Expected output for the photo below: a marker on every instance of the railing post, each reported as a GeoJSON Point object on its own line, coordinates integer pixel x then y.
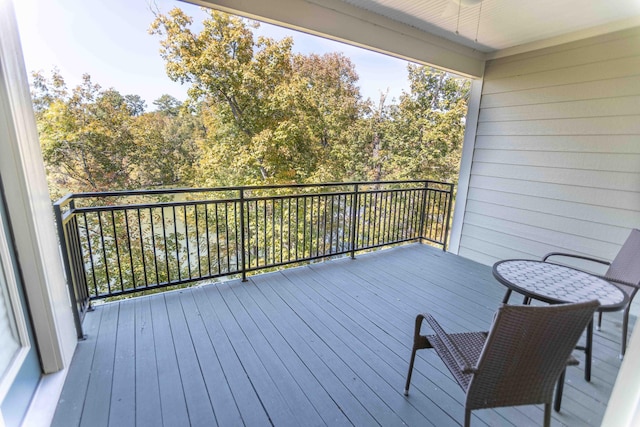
{"type": "Point", "coordinates": [354, 220]}
{"type": "Point", "coordinates": [423, 209]}
{"type": "Point", "coordinates": [67, 270]}
{"type": "Point", "coordinates": [447, 218]}
{"type": "Point", "coordinates": [242, 236]}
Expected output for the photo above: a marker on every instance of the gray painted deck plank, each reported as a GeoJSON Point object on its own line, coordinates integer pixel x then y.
{"type": "Point", "coordinates": [335, 376]}
{"type": "Point", "coordinates": [369, 367]}
{"type": "Point", "coordinates": [71, 403]}
{"type": "Point", "coordinates": [325, 344]}
{"type": "Point", "coordinates": [323, 405]}
{"type": "Point", "coordinates": [222, 401]}
{"type": "Point", "coordinates": [172, 400]}
{"type": "Point", "coordinates": [122, 411]}
{"type": "Point", "coordinates": [365, 394]}
{"type": "Point", "coordinates": [336, 405]}
{"type": "Point", "coordinates": [289, 388]}
{"type": "Point", "coordinates": [148, 412]}
{"type": "Point", "coordinates": [196, 393]}
{"type": "Point", "coordinates": [386, 347]}
{"type": "Point", "coordinates": [247, 401]}
{"type": "Point", "coordinates": [96, 408]}
{"type": "Point", "coordinates": [261, 379]}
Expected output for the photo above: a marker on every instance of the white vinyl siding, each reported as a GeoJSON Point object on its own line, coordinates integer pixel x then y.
{"type": "Point", "coordinates": [556, 164]}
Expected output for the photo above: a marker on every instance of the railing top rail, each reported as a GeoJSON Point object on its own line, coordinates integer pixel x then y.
{"type": "Point", "coordinates": [64, 200]}
{"type": "Point", "coordinates": [232, 200]}
{"type": "Point", "coordinates": [124, 193]}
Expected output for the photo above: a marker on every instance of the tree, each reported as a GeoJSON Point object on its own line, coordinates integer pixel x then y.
{"type": "Point", "coordinates": [426, 129]}
{"type": "Point", "coordinates": [84, 134]}
{"type": "Point", "coordinates": [99, 140]}
{"type": "Point", "coordinates": [166, 147]}
{"type": "Point", "coordinates": [270, 115]}
{"type": "Point", "coordinates": [136, 104]}
{"type": "Point", "coordinates": [167, 105]}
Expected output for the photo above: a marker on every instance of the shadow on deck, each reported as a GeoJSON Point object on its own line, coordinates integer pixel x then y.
{"type": "Point", "coordinates": [324, 344]}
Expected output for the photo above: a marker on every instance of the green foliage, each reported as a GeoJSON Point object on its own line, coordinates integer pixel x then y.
{"type": "Point", "coordinates": [426, 129]}
{"type": "Point", "coordinates": [270, 115]}
{"type": "Point", "coordinates": [257, 113]}
{"type": "Point", "coordinates": [99, 140]}
{"type": "Point", "coordinates": [84, 134]}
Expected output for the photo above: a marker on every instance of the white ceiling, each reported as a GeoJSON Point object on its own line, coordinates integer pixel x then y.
{"type": "Point", "coordinates": [504, 24]}
{"type": "Point", "coordinates": [424, 31]}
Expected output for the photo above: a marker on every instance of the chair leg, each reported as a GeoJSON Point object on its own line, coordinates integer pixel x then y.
{"type": "Point", "coordinates": [588, 352]}
{"type": "Point", "coordinates": [625, 328]}
{"type": "Point", "coordinates": [467, 417]}
{"type": "Point", "coordinates": [413, 358]}
{"type": "Point", "coordinates": [547, 414]}
{"type": "Point", "coordinates": [559, 390]}
{"type": "Point", "coordinates": [506, 297]}
{"type": "Point", "coordinates": [599, 321]}
{"type": "Point", "coordinates": [419, 342]}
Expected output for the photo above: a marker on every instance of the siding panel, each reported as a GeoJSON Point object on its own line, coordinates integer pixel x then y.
{"type": "Point", "coordinates": [557, 155]}
{"type": "Point", "coordinates": [571, 109]}
{"type": "Point", "coordinates": [616, 144]}
{"type": "Point", "coordinates": [563, 208]}
{"type": "Point", "coordinates": [608, 88]}
{"type": "Point", "coordinates": [623, 67]}
{"type": "Point", "coordinates": [547, 221]}
{"type": "Point", "coordinates": [613, 46]}
{"type": "Point", "coordinates": [578, 195]}
{"type": "Point", "coordinates": [532, 241]}
{"type": "Point", "coordinates": [608, 162]}
{"type": "Point", "coordinates": [618, 125]}
{"type": "Point", "coordinates": [554, 175]}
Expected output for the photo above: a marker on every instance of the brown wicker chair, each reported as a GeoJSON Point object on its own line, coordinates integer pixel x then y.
{"type": "Point", "coordinates": [517, 362]}
{"type": "Point", "coordinates": [624, 272]}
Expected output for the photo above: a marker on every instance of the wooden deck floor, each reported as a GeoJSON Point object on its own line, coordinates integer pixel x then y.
{"type": "Point", "coordinates": [325, 344]}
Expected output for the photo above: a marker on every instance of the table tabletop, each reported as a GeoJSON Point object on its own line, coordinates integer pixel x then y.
{"type": "Point", "coordinates": [553, 283]}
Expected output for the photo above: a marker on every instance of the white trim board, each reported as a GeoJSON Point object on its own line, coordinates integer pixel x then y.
{"type": "Point", "coordinates": [29, 206]}
{"type": "Point", "coordinates": [342, 22]}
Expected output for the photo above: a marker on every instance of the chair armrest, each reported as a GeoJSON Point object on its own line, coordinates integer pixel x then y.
{"type": "Point", "coordinates": [550, 254]}
{"type": "Point", "coordinates": [621, 282]}
{"type": "Point", "coordinates": [465, 365]}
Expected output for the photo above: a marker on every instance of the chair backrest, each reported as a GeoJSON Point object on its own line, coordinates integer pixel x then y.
{"type": "Point", "coordinates": [525, 352]}
{"type": "Point", "coordinates": [626, 265]}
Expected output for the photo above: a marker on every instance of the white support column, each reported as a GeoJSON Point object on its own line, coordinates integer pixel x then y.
{"type": "Point", "coordinates": [471, 126]}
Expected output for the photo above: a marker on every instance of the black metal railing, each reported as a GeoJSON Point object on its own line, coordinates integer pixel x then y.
{"type": "Point", "coordinates": [116, 243]}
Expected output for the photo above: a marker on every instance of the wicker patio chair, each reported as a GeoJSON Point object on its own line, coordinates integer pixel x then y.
{"type": "Point", "coordinates": [624, 272]}
{"type": "Point", "coordinates": [517, 362]}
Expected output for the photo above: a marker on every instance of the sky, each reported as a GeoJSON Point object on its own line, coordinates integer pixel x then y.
{"type": "Point", "coordinates": [109, 41]}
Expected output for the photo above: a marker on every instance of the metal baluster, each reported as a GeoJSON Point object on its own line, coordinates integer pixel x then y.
{"type": "Point", "coordinates": [217, 240]}
{"type": "Point", "coordinates": [144, 261]}
{"type": "Point", "coordinates": [195, 209]}
{"type": "Point", "coordinates": [126, 222]}
{"type": "Point", "coordinates": [354, 220]}
{"type": "Point", "coordinates": [186, 239]}
{"type": "Point", "coordinates": [153, 243]}
{"type": "Point", "coordinates": [116, 243]}
{"type": "Point", "coordinates": [242, 242]}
